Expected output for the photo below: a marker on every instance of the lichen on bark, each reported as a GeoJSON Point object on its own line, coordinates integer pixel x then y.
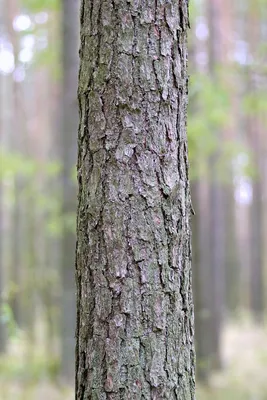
{"type": "Point", "coordinates": [133, 258]}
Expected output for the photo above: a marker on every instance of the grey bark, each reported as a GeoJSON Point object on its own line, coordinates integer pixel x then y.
{"type": "Point", "coordinates": [70, 22]}
{"type": "Point", "coordinates": [133, 257]}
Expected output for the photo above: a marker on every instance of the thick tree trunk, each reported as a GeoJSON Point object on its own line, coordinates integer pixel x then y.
{"type": "Point", "coordinates": [69, 145]}
{"type": "Point", "coordinates": [133, 262]}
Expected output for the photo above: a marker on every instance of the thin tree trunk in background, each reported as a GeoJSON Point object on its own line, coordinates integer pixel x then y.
{"type": "Point", "coordinates": [217, 266]}
{"type": "Point", "coordinates": [70, 23]}
{"type": "Point", "coordinates": [48, 118]}
{"type": "Point", "coordinates": [11, 7]}
{"type": "Point", "coordinates": [54, 241]}
{"type": "Point", "coordinates": [243, 248]}
{"type": "Point", "coordinates": [3, 337]}
{"type": "Point", "coordinates": [230, 137]}
{"type": "Point", "coordinates": [2, 325]}
{"type": "Point", "coordinates": [41, 134]}
{"type": "Point", "coordinates": [263, 124]}
{"type": "Point", "coordinates": [242, 209]}
{"type": "Point", "coordinates": [202, 280]}
{"type": "Point", "coordinates": [133, 265]}
{"type": "Point", "coordinates": [232, 283]}
{"type": "Point", "coordinates": [256, 277]}
{"type": "Point", "coordinates": [201, 265]}
{"type": "Point", "coordinates": [256, 214]}
{"type": "Point", "coordinates": [256, 231]}
{"type": "Point", "coordinates": [264, 207]}
{"type": "Point", "coordinates": [216, 219]}
{"type": "Point", "coordinates": [28, 295]}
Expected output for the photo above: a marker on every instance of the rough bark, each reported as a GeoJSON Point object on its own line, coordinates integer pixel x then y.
{"type": "Point", "coordinates": [70, 22]}
{"type": "Point", "coordinates": [133, 265]}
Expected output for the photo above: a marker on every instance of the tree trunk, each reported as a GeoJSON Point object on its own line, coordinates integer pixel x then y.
{"type": "Point", "coordinates": [69, 145]}
{"type": "Point", "coordinates": [256, 277]}
{"type": "Point", "coordinates": [202, 275]}
{"type": "Point", "coordinates": [216, 200]}
{"type": "Point", "coordinates": [256, 211]}
{"type": "Point", "coordinates": [3, 336]}
{"type": "Point", "coordinates": [16, 142]}
{"type": "Point", "coordinates": [232, 264]}
{"type": "Point", "coordinates": [133, 258]}
{"type": "Point", "coordinates": [3, 333]}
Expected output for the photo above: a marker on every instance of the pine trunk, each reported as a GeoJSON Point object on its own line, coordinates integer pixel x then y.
{"type": "Point", "coordinates": [133, 260]}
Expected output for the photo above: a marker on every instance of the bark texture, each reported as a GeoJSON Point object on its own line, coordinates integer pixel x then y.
{"type": "Point", "coordinates": [133, 260]}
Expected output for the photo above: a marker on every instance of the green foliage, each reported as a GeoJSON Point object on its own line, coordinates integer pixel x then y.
{"type": "Point", "coordinates": [230, 153]}
{"type": "Point", "coordinates": [255, 103]}
{"type": "Point", "coordinates": [29, 172]}
{"type": "Point", "coordinates": [13, 164]}
{"type": "Point", "coordinates": [39, 367]}
{"type": "Point", "coordinates": [50, 55]}
{"type": "Point", "coordinates": [208, 111]}
{"type": "Point", "coordinates": [193, 10]}
{"type": "Point", "coordinates": [70, 221]}
{"type": "Point", "coordinates": [209, 108]}
{"type": "Point", "coordinates": [74, 174]}
{"type": "Point", "coordinates": [50, 58]}
{"type": "Point", "coordinates": [7, 319]}
{"type": "Point", "coordinates": [41, 5]}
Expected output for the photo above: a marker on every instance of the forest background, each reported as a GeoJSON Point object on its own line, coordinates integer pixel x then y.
{"type": "Point", "coordinates": [227, 120]}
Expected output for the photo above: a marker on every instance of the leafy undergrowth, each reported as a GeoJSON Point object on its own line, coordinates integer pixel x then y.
{"type": "Point", "coordinates": [28, 375]}
{"type": "Point", "coordinates": [244, 375]}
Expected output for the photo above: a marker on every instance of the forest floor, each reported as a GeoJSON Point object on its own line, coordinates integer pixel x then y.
{"type": "Point", "coordinates": [244, 375]}
{"type": "Point", "coordinates": [244, 372]}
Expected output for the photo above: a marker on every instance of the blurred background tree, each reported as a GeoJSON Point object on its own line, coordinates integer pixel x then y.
{"type": "Point", "coordinates": [228, 151]}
